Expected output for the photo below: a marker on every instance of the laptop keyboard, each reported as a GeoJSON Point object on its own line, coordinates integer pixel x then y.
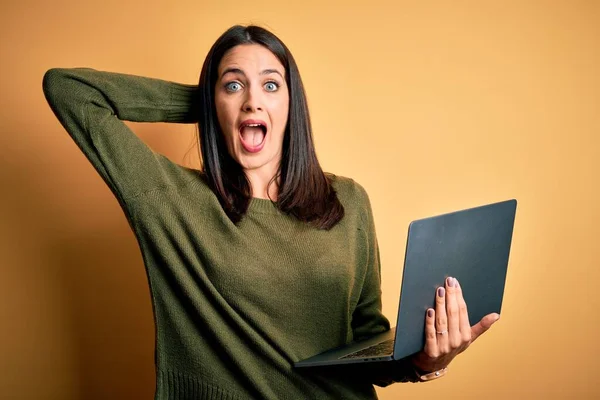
{"type": "Point", "coordinates": [380, 349]}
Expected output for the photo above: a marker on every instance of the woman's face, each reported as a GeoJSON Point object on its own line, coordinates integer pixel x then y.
{"type": "Point", "coordinates": [252, 101]}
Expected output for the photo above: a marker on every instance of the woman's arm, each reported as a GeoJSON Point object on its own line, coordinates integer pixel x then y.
{"type": "Point", "coordinates": [440, 349]}
{"type": "Point", "coordinates": [91, 106]}
{"type": "Point", "coordinates": [368, 319]}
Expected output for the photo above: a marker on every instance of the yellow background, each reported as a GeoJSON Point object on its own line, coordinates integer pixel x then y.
{"type": "Point", "coordinates": [432, 106]}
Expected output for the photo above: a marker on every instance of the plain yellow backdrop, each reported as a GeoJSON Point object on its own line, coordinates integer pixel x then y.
{"type": "Point", "coordinates": [432, 105]}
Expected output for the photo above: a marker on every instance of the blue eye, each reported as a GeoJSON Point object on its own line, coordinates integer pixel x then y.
{"type": "Point", "coordinates": [271, 86]}
{"type": "Point", "coordinates": [233, 86]}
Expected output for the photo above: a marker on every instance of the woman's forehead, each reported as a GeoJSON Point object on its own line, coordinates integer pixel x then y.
{"type": "Point", "coordinates": [250, 58]}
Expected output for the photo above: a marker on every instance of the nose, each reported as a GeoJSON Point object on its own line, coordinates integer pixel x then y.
{"type": "Point", "coordinates": [252, 101]}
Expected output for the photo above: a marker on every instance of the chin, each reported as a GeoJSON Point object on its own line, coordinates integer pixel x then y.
{"type": "Point", "coordinates": [248, 162]}
{"type": "Point", "coordinates": [254, 163]}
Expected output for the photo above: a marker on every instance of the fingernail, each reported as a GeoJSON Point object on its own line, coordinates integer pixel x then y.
{"type": "Point", "coordinates": [441, 291]}
{"type": "Point", "coordinates": [497, 317]}
{"type": "Point", "coordinates": [430, 313]}
{"type": "Point", "coordinates": [449, 281]}
{"type": "Point", "coordinates": [456, 282]}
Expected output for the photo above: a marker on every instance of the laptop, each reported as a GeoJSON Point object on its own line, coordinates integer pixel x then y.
{"type": "Point", "coordinates": [471, 245]}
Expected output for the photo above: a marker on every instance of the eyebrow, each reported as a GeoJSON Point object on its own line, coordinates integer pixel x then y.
{"type": "Point", "coordinates": [239, 71]}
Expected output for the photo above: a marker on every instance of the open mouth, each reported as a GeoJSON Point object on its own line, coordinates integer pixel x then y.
{"type": "Point", "coordinates": [253, 134]}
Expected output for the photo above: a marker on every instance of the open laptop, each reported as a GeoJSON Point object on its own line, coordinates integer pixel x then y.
{"type": "Point", "coordinates": [471, 245]}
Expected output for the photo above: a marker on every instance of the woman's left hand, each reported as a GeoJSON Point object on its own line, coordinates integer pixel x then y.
{"type": "Point", "coordinates": [447, 329]}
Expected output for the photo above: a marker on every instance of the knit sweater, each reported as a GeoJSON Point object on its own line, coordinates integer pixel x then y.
{"type": "Point", "coordinates": [234, 306]}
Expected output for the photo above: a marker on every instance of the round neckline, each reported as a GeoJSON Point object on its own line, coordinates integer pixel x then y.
{"type": "Point", "coordinates": [263, 205]}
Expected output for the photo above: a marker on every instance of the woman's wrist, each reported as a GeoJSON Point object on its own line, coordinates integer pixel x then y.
{"type": "Point", "coordinates": [428, 374]}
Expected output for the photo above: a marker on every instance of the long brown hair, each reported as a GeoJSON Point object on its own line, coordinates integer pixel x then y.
{"type": "Point", "coordinates": [304, 190]}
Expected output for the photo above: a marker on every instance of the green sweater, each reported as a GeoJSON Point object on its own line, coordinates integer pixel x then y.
{"type": "Point", "coordinates": [234, 305]}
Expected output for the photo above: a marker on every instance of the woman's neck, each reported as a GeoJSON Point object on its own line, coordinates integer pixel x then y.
{"type": "Point", "coordinates": [259, 182]}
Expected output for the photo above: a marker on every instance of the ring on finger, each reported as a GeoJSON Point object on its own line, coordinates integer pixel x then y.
{"type": "Point", "coordinates": [444, 332]}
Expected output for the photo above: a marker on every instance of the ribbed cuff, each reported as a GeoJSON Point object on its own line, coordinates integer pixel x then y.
{"type": "Point", "coordinates": [387, 373]}
{"type": "Point", "coordinates": [184, 106]}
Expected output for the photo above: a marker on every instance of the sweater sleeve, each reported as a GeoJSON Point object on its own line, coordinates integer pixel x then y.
{"type": "Point", "coordinates": [92, 105]}
{"type": "Point", "coordinates": [368, 318]}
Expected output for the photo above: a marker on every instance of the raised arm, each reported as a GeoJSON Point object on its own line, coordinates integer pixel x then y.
{"type": "Point", "coordinates": [92, 105]}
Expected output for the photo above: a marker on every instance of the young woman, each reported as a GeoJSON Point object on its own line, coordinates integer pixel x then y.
{"type": "Point", "coordinates": [260, 259]}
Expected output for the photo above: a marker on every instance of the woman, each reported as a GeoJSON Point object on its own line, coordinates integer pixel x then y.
{"type": "Point", "coordinates": [260, 259]}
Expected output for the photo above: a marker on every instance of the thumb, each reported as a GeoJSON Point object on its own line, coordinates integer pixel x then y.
{"type": "Point", "coordinates": [483, 325]}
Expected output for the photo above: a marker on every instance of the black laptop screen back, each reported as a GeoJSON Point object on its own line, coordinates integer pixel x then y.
{"type": "Point", "coordinates": [471, 245]}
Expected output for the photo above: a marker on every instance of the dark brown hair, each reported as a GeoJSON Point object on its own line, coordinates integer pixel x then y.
{"type": "Point", "coordinates": [304, 190]}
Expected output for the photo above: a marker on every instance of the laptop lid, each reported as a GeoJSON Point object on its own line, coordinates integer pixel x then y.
{"type": "Point", "coordinates": [471, 245]}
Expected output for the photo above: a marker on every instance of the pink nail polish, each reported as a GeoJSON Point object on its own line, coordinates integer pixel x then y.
{"type": "Point", "coordinates": [441, 292]}
{"type": "Point", "coordinates": [430, 313]}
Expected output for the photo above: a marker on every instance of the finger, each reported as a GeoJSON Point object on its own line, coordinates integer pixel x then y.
{"type": "Point", "coordinates": [464, 324]}
{"type": "Point", "coordinates": [441, 320]}
{"type": "Point", "coordinates": [454, 337]}
{"type": "Point", "coordinates": [483, 325]}
{"type": "Point", "coordinates": [431, 348]}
